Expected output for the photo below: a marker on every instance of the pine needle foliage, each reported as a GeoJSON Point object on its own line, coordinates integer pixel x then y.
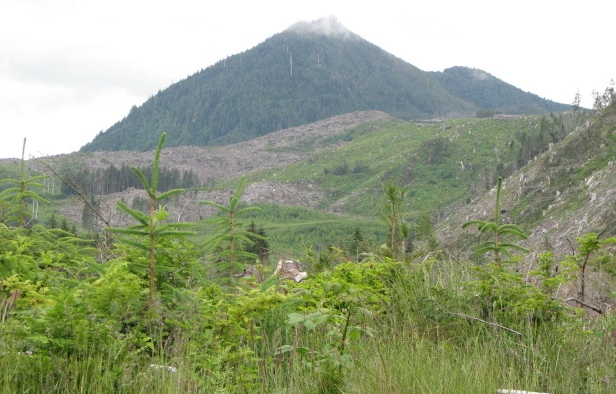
{"type": "Point", "coordinates": [20, 193]}
{"type": "Point", "coordinates": [497, 231]}
{"type": "Point", "coordinates": [230, 235]}
{"type": "Point", "coordinates": [150, 225]}
{"type": "Point", "coordinates": [392, 215]}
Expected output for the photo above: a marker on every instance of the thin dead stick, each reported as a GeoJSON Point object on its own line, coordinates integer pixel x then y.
{"type": "Point", "coordinates": [445, 252]}
{"type": "Point", "coordinates": [599, 311]}
{"type": "Point", "coordinates": [486, 322]}
{"type": "Point", "coordinates": [67, 180]}
{"type": "Point", "coordinates": [462, 315]}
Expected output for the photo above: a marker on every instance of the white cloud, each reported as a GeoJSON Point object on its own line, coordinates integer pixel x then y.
{"type": "Point", "coordinates": [326, 26]}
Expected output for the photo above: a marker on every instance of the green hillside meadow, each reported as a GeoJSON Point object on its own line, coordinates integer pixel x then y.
{"type": "Point", "coordinates": [442, 164]}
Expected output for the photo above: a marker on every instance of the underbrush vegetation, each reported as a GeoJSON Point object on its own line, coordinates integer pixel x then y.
{"type": "Point", "coordinates": [155, 314]}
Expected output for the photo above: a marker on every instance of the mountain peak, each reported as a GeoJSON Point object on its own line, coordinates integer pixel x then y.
{"type": "Point", "coordinates": [327, 26]}
{"type": "Point", "coordinates": [311, 71]}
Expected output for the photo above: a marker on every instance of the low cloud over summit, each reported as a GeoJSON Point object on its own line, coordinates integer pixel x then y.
{"type": "Point", "coordinates": [326, 26]}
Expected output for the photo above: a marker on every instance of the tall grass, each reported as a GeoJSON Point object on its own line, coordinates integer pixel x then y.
{"type": "Point", "coordinates": [414, 344]}
{"type": "Point", "coordinates": [421, 350]}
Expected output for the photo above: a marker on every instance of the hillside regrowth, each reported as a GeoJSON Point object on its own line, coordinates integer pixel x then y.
{"type": "Point", "coordinates": [75, 317]}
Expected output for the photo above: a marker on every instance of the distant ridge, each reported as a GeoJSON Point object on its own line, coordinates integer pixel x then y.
{"type": "Point", "coordinates": [490, 93]}
{"type": "Point", "coordinates": [311, 71]}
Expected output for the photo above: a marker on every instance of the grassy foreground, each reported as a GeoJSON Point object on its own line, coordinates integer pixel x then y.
{"type": "Point", "coordinates": [148, 312]}
{"type": "Point", "coordinates": [373, 327]}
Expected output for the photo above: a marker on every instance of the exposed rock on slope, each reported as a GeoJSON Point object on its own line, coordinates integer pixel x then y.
{"type": "Point", "coordinates": [273, 150]}
{"type": "Point", "coordinates": [276, 149]}
{"type": "Point", "coordinates": [565, 192]}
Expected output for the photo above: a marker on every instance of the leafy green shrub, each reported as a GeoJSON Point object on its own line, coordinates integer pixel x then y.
{"type": "Point", "coordinates": [334, 311]}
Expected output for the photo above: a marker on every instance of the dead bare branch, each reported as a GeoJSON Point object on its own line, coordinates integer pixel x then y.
{"type": "Point", "coordinates": [584, 304]}
{"type": "Point", "coordinates": [68, 181]}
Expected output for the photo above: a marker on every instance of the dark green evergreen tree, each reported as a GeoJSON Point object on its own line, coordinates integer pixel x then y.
{"type": "Point", "coordinates": [424, 231]}
{"type": "Point", "coordinates": [151, 227]}
{"type": "Point", "coordinates": [392, 215]}
{"type": "Point", "coordinates": [227, 243]}
{"type": "Point", "coordinates": [356, 246]}
{"type": "Point", "coordinates": [53, 222]}
{"type": "Point", "coordinates": [258, 244]}
{"type": "Point", "coordinates": [19, 195]}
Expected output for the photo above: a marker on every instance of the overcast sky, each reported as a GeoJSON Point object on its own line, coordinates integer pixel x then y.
{"type": "Point", "coordinates": [70, 68]}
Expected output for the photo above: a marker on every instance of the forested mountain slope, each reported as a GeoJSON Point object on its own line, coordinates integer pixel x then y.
{"type": "Point", "coordinates": [307, 73]}
{"type": "Point", "coordinates": [491, 94]}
